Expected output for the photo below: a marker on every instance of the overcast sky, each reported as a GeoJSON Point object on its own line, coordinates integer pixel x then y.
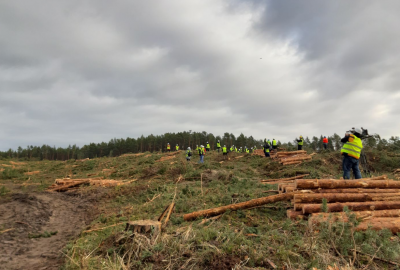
{"type": "Point", "coordinates": [75, 72]}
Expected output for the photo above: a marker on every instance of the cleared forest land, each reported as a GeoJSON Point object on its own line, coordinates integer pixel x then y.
{"type": "Point", "coordinates": [83, 227]}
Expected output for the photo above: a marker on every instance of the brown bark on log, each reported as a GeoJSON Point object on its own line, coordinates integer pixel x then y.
{"type": "Point", "coordinates": [286, 179]}
{"type": "Point", "coordinates": [377, 224]}
{"type": "Point", "coordinates": [294, 215]}
{"type": "Point", "coordinates": [233, 207]}
{"type": "Point", "coordinates": [341, 216]}
{"type": "Point", "coordinates": [278, 183]}
{"type": "Point", "coordinates": [344, 197]}
{"type": "Point", "coordinates": [332, 183]}
{"type": "Point", "coordinates": [299, 206]}
{"type": "Point", "coordinates": [354, 206]}
{"type": "Point", "coordinates": [289, 189]}
{"type": "Point", "coordinates": [356, 190]}
{"type": "Point", "coordinates": [295, 159]}
{"type": "Point", "coordinates": [291, 163]}
{"type": "Point", "coordinates": [66, 187]}
{"type": "Point", "coordinates": [292, 152]}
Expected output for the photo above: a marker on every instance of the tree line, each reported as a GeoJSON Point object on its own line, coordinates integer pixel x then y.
{"type": "Point", "coordinates": [116, 147]}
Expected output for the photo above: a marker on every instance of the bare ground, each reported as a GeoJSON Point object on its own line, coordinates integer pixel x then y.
{"type": "Point", "coordinates": [33, 214]}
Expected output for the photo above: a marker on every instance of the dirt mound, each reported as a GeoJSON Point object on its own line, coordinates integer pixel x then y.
{"type": "Point", "coordinates": [42, 224]}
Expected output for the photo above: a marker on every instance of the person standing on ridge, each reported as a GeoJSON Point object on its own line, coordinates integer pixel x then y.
{"type": "Point", "coordinates": [325, 142]}
{"type": "Point", "coordinates": [351, 151]}
{"type": "Point", "coordinates": [177, 147]}
{"type": "Point", "coordinates": [274, 145]}
{"type": "Point", "coordinates": [188, 154]}
{"type": "Point", "coordinates": [168, 147]}
{"type": "Point", "coordinates": [197, 147]}
{"type": "Point", "coordinates": [218, 146]}
{"type": "Point", "coordinates": [266, 149]}
{"type": "Point", "coordinates": [224, 151]}
{"type": "Point", "coordinates": [201, 154]}
{"type": "Point", "coordinates": [208, 147]}
{"type": "Point", "coordinates": [231, 149]}
{"type": "Point", "coordinates": [300, 143]}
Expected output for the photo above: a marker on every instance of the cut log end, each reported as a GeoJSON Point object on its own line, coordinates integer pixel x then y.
{"type": "Point", "coordinates": [144, 226]}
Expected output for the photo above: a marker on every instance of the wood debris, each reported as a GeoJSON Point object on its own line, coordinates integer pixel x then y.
{"type": "Point", "coordinates": [66, 184]}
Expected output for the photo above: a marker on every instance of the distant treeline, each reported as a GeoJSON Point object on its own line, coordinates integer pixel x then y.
{"type": "Point", "coordinates": [151, 143]}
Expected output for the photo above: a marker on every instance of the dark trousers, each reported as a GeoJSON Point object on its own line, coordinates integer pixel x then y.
{"type": "Point", "coordinates": [208, 149]}
{"type": "Point", "coordinates": [299, 147]}
{"type": "Point", "coordinates": [267, 154]}
{"type": "Point", "coordinates": [350, 163]}
{"type": "Point", "coordinates": [325, 146]}
{"type": "Point", "coordinates": [218, 149]}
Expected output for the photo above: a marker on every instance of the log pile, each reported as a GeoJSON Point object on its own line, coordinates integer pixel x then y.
{"type": "Point", "coordinates": [283, 180]}
{"type": "Point", "coordinates": [67, 184]}
{"type": "Point", "coordinates": [293, 157]}
{"type": "Point", "coordinates": [373, 201]}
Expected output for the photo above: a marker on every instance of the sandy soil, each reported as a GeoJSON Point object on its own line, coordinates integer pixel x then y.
{"type": "Point", "coordinates": [30, 214]}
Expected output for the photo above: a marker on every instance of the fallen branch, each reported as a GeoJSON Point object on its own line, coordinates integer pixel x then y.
{"type": "Point", "coordinates": [233, 207]}
{"type": "Point", "coordinates": [1, 232]}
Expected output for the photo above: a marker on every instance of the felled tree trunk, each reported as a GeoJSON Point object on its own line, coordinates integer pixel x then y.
{"type": "Point", "coordinates": [345, 197]}
{"type": "Point", "coordinates": [341, 216]}
{"type": "Point", "coordinates": [354, 206]}
{"type": "Point", "coordinates": [356, 190]}
{"type": "Point", "coordinates": [332, 183]}
{"type": "Point", "coordinates": [285, 179]}
{"type": "Point", "coordinates": [233, 207]}
{"type": "Point", "coordinates": [393, 224]}
{"type": "Point", "coordinates": [294, 215]}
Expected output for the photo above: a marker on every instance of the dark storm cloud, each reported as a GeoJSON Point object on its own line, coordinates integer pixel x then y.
{"type": "Point", "coordinates": [79, 72]}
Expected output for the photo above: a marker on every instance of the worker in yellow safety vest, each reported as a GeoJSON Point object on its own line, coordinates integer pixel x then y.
{"type": "Point", "coordinates": [351, 151]}
{"type": "Point", "coordinates": [201, 154]}
{"type": "Point", "coordinates": [218, 146]}
{"type": "Point", "coordinates": [266, 147]}
{"type": "Point", "coordinates": [224, 151]}
{"type": "Point", "coordinates": [168, 147]}
{"type": "Point", "coordinates": [208, 148]}
{"type": "Point", "coordinates": [300, 143]}
{"type": "Point", "coordinates": [177, 147]}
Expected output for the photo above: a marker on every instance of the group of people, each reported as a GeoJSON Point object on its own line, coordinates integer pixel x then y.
{"type": "Point", "coordinates": [351, 150]}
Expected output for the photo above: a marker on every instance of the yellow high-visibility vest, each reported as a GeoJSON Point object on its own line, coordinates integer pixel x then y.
{"type": "Point", "coordinates": [353, 147]}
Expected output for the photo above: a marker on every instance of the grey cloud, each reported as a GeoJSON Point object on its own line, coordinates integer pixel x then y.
{"type": "Point", "coordinates": [80, 72]}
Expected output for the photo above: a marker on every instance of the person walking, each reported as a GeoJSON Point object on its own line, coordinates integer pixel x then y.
{"type": "Point", "coordinates": [325, 142]}
{"type": "Point", "coordinates": [188, 154]}
{"type": "Point", "coordinates": [168, 147]}
{"type": "Point", "coordinates": [218, 145]}
{"type": "Point", "coordinates": [208, 147]}
{"type": "Point", "coordinates": [224, 151]}
{"type": "Point", "coordinates": [201, 153]}
{"type": "Point", "coordinates": [351, 151]}
{"type": "Point", "coordinates": [177, 148]}
{"type": "Point", "coordinates": [300, 143]}
{"type": "Point", "coordinates": [231, 149]}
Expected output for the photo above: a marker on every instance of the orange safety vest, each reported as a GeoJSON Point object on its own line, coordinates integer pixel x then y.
{"type": "Point", "coordinates": [325, 140]}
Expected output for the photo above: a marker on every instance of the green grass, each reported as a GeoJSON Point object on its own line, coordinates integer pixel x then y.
{"type": "Point", "coordinates": [247, 236]}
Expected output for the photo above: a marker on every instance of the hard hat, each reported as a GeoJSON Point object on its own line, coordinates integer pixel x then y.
{"type": "Point", "coordinates": [324, 136]}
{"type": "Point", "coordinates": [176, 145]}
{"type": "Point", "coordinates": [357, 130]}
{"type": "Point", "coordinates": [207, 142]}
{"type": "Point", "coordinates": [188, 148]}
{"type": "Point", "coordinates": [201, 145]}
{"type": "Point", "coordinates": [197, 145]}
{"type": "Point", "coordinates": [273, 139]}
{"type": "Point", "coordinates": [224, 145]}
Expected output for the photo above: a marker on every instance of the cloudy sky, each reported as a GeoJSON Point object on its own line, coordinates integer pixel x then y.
{"type": "Point", "coordinates": [74, 72]}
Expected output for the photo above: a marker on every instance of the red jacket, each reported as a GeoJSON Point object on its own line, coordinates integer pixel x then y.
{"type": "Point", "coordinates": [325, 140]}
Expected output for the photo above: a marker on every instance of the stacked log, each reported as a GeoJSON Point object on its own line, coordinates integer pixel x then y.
{"type": "Point", "coordinates": [293, 157]}
{"type": "Point", "coordinates": [283, 180]}
{"type": "Point", "coordinates": [375, 202]}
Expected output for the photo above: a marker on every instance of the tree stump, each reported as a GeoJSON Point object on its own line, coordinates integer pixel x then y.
{"type": "Point", "coordinates": [144, 226]}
